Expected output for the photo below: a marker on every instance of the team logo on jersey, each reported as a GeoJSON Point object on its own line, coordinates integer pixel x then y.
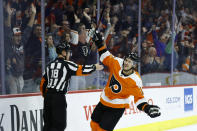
{"type": "Point", "coordinates": [115, 85]}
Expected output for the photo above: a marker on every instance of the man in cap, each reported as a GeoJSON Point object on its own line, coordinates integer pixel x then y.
{"type": "Point", "coordinates": [15, 41]}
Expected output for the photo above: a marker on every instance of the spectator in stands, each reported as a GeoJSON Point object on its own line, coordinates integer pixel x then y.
{"type": "Point", "coordinates": [33, 59]}
{"type": "Point", "coordinates": [160, 44]}
{"type": "Point", "coordinates": [87, 18]}
{"type": "Point", "coordinates": [66, 37]}
{"type": "Point", "coordinates": [62, 17]}
{"type": "Point", "coordinates": [54, 29]}
{"type": "Point", "coordinates": [82, 54]}
{"type": "Point", "coordinates": [185, 45]}
{"type": "Point", "coordinates": [122, 44]}
{"type": "Point", "coordinates": [15, 41]}
{"type": "Point", "coordinates": [65, 26]}
{"type": "Point", "coordinates": [50, 47]}
{"type": "Point", "coordinates": [193, 63]}
{"type": "Point", "coordinates": [152, 62]}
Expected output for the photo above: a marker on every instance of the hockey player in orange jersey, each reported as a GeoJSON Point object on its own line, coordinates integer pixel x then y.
{"type": "Point", "coordinates": [123, 82]}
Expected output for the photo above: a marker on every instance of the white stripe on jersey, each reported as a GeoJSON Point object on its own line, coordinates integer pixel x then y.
{"type": "Point", "coordinates": [55, 82]}
{"type": "Point", "coordinates": [52, 65]}
{"type": "Point", "coordinates": [115, 101]}
{"type": "Point", "coordinates": [88, 66]}
{"type": "Point", "coordinates": [63, 85]}
{"type": "Point", "coordinates": [59, 65]}
{"type": "Point", "coordinates": [104, 55]}
{"type": "Point", "coordinates": [87, 70]}
{"type": "Point", "coordinates": [73, 68]}
{"type": "Point", "coordinates": [63, 78]}
{"type": "Point", "coordinates": [140, 101]}
{"type": "Point", "coordinates": [137, 79]}
{"type": "Point", "coordinates": [47, 73]}
{"type": "Point", "coordinates": [70, 62]}
{"type": "Point", "coordinates": [120, 60]}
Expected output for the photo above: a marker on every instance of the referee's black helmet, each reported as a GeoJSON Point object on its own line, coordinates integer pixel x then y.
{"type": "Point", "coordinates": [61, 47]}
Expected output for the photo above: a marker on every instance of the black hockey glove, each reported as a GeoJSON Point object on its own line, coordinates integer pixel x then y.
{"type": "Point", "coordinates": [98, 39]}
{"type": "Point", "coordinates": [152, 111]}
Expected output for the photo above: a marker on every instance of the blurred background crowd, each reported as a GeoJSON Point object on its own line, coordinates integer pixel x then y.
{"type": "Point", "coordinates": [71, 21]}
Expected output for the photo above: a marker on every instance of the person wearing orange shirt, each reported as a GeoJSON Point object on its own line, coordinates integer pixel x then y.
{"type": "Point", "coordinates": [123, 82]}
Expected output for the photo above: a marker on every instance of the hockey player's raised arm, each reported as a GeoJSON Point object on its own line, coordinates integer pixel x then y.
{"type": "Point", "coordinates": [105, 56]}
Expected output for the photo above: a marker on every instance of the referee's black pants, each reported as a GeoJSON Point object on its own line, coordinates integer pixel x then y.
{"type": "Point", "coordinates": [54, 112]}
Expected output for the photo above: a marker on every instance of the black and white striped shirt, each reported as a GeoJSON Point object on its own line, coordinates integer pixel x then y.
{"type": "Point", "coordinates": [58, 73]}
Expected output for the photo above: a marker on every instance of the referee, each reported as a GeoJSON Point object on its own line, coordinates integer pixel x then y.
{"type": "Point", "coordinates": [54, 86]}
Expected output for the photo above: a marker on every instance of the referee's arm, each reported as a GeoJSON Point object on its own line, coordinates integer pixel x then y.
{"type": "Point", "coordinates": [85, 70]}
{"type": "Point", "coordinates": [81, 70]}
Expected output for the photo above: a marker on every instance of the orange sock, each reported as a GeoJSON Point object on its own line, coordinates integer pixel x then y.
{"type": "Point", "coordinates": [95, 126]}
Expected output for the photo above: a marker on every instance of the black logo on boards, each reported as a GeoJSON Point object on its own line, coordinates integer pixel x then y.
{"type": "Point", "coordinates": [26, 120]}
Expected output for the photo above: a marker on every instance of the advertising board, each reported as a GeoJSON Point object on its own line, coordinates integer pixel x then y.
{"type": "Point", "coordinates": [24, 113]}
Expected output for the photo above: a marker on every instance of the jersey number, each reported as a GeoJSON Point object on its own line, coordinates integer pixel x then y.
{"type": "Point", "coordinates": [54, 73]}
{"type": "Point", "coordinates": [54, 77]}
{"type": "Point", "coordinates": [115, 85]}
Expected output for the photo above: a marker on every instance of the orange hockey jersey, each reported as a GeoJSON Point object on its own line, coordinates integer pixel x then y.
{"type": "Point", "coordinates": [120, 88]}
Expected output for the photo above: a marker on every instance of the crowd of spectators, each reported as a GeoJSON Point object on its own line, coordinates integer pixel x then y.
{"type": "Point", "coordinates": [71, 21]}
{"type": "Point", "coordinates": [157, 36]}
